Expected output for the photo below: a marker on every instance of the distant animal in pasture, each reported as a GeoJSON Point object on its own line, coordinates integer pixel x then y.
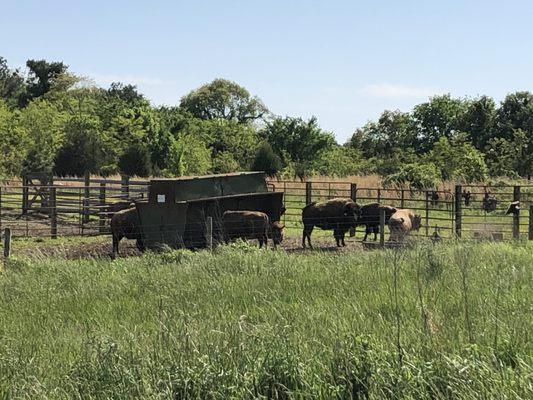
{"type": "Point", "coordinates": [402, 223]}
{"type": "Point", "coordinates": [251, 225]}
{"type": "Point", "coordinates": [489, 203]}
{"type": "Point", "coordinates": [467, 197]}
{"type": "Point", "coordinates": [369, 218]}
{"type": "Point", "coordinates": [514, 208]}
{"type": "Point", "coordinates": [339, 215]}
{"type": "Point", "coordinates": [126, 224]}
{"type": "Point", "coordinates": [111, 209]}
{"type": "Point", "coordinates": [434, 196]}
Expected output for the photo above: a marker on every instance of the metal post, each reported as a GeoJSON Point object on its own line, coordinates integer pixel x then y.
{"type": "Point", "coordinates": [53, 213]}
{"type": "Point", "coordinates": [209, 233]}
{"type": "Point", "coordinates": [86, 195]}
{"type": "Point", "coordinates": [0, 212]}
{"type": "Point", "coordinates": [353, 192]}
{"type": "Point", "coordinates": [530, 222]}
{"type": "Point", "coordinates": [382, 227]}
{"type": "Point", "coordinates": [102, 209]}
{"type": "Point", "coordinates": [458, 210]}
{"type": "Point", "coordinates": [125, 187]}
{"type": "Point", "coordinates": [7, 242]}
{"type": "Point", "coordinates": [25, 195]}
{"type": "Point", "coordinates": [516, 217]}
{"type": "Point", "coordinates": [402, 199]}
{"type": "Point", "coordinates": [379, 195]}
{"type": "Point", "coordinates": [308, 193]}
{"type": "Point", "coordinates": [427, 213]}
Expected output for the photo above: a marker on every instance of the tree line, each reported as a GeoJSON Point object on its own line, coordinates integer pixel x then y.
{"type": "Point", "coordinates": [55, 122]}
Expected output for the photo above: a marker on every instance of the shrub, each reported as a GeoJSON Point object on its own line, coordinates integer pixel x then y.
{"type": "Point", "coordinates": [266, 160]}
{"type": "Point", "coordinates": [417, 176]}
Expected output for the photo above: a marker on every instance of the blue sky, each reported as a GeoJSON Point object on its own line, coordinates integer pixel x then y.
{"type": "Point", "coordinates": [343, 61]}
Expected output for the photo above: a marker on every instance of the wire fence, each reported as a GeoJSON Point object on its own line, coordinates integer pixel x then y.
{"type": "Point", "coordinates": [73, 206]}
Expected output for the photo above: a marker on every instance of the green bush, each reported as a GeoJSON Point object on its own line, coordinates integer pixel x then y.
{"type": "Point", "coordinates": [266, 160]}
{"type": "Point", "coordinates": [417, 176]}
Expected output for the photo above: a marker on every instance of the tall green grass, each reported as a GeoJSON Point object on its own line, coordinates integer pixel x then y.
{"type": "Point", "coordinates": [446, 321]}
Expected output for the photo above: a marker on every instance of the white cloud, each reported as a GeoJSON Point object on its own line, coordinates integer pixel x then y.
{"type": "Point", "coordinates": [388, 90]}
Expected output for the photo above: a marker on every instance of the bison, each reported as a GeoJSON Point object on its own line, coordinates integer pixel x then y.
{"type": "Point", "coordinates": [467, 197]}
{"type": "Point", "coordinates": [339, 215]}
{"type": "Point", "coordinates": [251, 225]}
{"type": "Point", "coordinates": [401, 223]}
{"type": "Point", "coordinates": [125, 223]}
{"type": "Point", "coordinates": [489, 203]}
{"type": "Point", "coordinates": [370, 218]}
{"type": "Point", "coordinates": [514, 208]}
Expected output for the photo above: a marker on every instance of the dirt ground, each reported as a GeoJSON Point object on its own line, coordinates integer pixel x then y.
{"type": "Point", "coordinates": [100, 247]}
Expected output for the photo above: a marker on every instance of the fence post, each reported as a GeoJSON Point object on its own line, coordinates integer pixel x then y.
{"type": "Point", "coordinates": [458, 210]}
{"type": "Point", "coordinates": [7, 243]}
{"type": "Point", "coordinates": [0, 212]}
{"type": "Point", "coordinates": [516, 217]}
{"type": "Point", "coordinates": [86, 195]}
{"type": "Point", "coordinates": [53, 213]}
{"type": "Point", "coordinates": [25, 194]}
{"type": "Point", "coordinates": [382, 227]}
{"type": "Point", "coordinates": [102, 215]}
{"type": "Point", "coordinates": [427, 213]}
{"type": "Point", "coordinates": [125, 186]}
{"type": "Point", "coordinates": [379, 195]}
{"type": "Point", "coordinates": [353, 192]}
{"type": "Point", "coordinates": [209, 233]}
{"type": "Point", "coordinates": [531, 222]}
{"type": "Point", "coordinates": [308, 193]}
{"type": "Point", "coordinates": [402, 199]}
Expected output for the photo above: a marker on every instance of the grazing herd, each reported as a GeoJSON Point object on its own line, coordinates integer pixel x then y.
{"type": "Point", "coordinates": [340, 215]}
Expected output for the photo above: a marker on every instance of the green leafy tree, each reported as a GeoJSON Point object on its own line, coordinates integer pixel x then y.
{"type": "Point", "coordinates": [457, 159]}
{"type": "Point", "coordinates": [13, 142]}
{"type": "Point", "coordinates": [511, 158]}
{"type": "Point", "coordinates": [479, 121]}
{"type": "Point", "coordinates": [442, 116]}
{"type": "Point", "coordinates": [223, 99]}
{"type": "Point", "coordinates": [42, 75]}
{"type": "Point", "coordinates": [224, 163]}
{"type": "Point", "coordinates": [298, 142]}
{"type": "Point", "coordinates": [266, 160]}
{"type": "Point", "coordinates": [188, 155]}
{"type": "Point", "coordinates": [135, 161]}
{"type": "Point", "coordinates": [81, 153]}
{"type": "Point", "coordinates": [43, 124]}
{"type": "Point", "coordinates": [341, 161]}
{"type": "Point", "coordinates": [12, 84]}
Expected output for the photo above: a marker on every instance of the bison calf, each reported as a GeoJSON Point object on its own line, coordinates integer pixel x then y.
{"type": "Point", "coordinates": [339, 215]}
{"type": "Point", "coordinates": [251, 225]}
{"type": "Point", "coordinates": [369, 218]}
{"type": "Point", "coordinates": [125, 223]}
{"type": "Point", "coordinates": [401, 223]}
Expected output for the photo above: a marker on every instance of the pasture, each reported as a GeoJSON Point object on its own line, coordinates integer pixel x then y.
{"type": "Point", "coordinates": [434, 321]}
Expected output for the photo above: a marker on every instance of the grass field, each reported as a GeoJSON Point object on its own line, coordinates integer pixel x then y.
{"type": "Point", "coordinates": [447, 321]}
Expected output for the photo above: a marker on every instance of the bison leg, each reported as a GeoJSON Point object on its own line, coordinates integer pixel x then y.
{"type": "Point", "coordinates": [116, 240]}
{"type": "Point", "coordinates": [376, 231]}
{"type": "Point", "coordinates": [308, 229]}
{"type": "Point", "coordinates": [140, 245]}
{"type": "Point", "coordinates": [337, 236]}
{"type": "Point", "coordinates": [367, 231]}
{"type": "Point", "coordinates": [343, 234]}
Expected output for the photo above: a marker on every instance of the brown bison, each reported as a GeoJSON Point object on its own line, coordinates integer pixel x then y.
{"type": "Point", "coordinates": [125, 223]}
{"type": "Point", "coordinates": [370, 218]}
{"type": "Point", "coordinates": [251, 225]}
{"type": "Point", "coordinates": [339, 215]}
{"type": "Point", "coordinates": [401, 223]}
